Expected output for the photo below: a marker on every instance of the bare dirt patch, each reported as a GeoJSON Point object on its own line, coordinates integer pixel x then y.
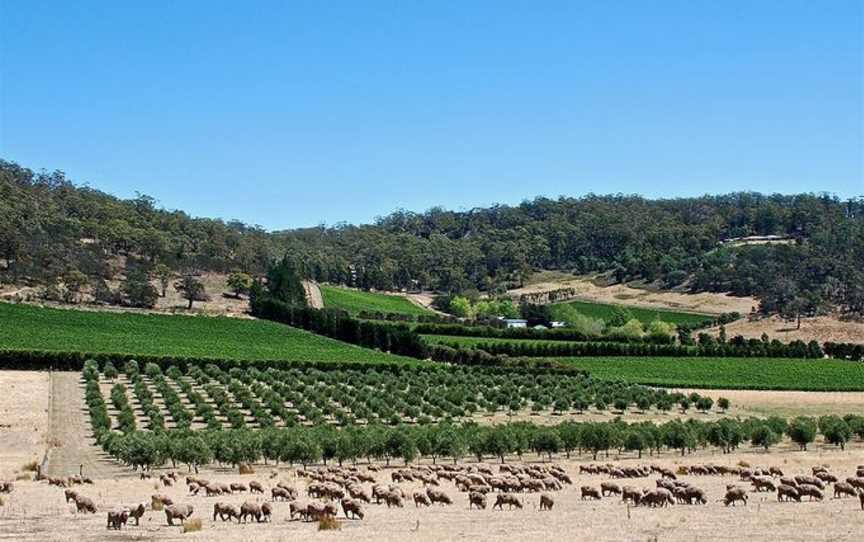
{"type": "Point", "coordinates": [820, 328]}
{"type": "Point", "coordinates": [787, 403]}
{"type": "Point", "coordinates": [623, 294]}
{"type": "Point", "coordinates": [23, 419]}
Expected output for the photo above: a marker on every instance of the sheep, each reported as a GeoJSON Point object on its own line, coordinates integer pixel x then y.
{"type": "Point", "coordinates": [861, 498]}
{"type": "Point", "coordinates": [178, 511]}
{"type": "Point", "coordinates": [297, 508]}
{"type": "Point", "coordinates": [812, 480]}
{"type": "Point", "coordinates": [255, 487]}
{"type": "Point", "coordinates": [237, 486]}
{"type": "Point", "coordinates": [250, 510]}
{"type": "Point", "coordinates": [476, 499]}
{"type": "Point", "coordinates": [436, 495]}
{"type": "Point", "coordinates": [789, 481]}
{"type": "Point", "coordinates": [164, 500]}
{"type": "Point", "coordinates": [137, 512]}
{"type": "Point", "coordinates": [589, 492]}
{"type": "Point", "coordinates": [421, 498]}
{"type": "Point", "coordinates": [630, 493]}
{"type": "Point", "coordinates": [70, 495]}
{"type": "Point", "coordinates": [84, 504]}
{"type": "Point", "coordinates": [352, 508]}
{"type": "Point", "coordinates": [393, 498]}
{"type": "Point", "coordinates": [785, 493]}
{"type": "Point", "coordinates": [811, 491]}
{"type": "Point", "coordinates": [117, 518]}
{"type": "Point", "coordinates": [278, 493]}
{"type": "Point", "coordinates": [734, 494]}
{"type": "Point", "coordinates": [762, 483]}
{"type": "Point", "coordinates": [509, 500]}
{"type": "Point", "coordinates": [609, 488]}
{"type": "Point", "coordinates": [657, 497]}
{"type": "Point", "coordinates": [266, 512]}
{"type": "Point", "coordinates": [357, 492]}
{"type": "Point", "coordinates": [693, 495]}
{"type": "Point", "coordinates": [856, 481]}
{"type": "Point", "coordinates": [224, 511]}
{"type": "Point", "coordinates": [546, 502]}
{"type": "Point", "coordinates": [775, 471]}
{"type": "Point", "coordinates": [842, 489]}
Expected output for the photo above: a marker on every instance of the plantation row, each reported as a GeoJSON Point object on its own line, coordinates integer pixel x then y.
{"type": "Point", "coordinates": [307, 445]}
{"type": "Point", "coordinates": [528, 348]}
{"type": "Point", "coordinates": [348, 397]}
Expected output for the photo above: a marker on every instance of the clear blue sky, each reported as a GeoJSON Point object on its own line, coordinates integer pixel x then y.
{"type": "Point", "coordinates": [295, 113]}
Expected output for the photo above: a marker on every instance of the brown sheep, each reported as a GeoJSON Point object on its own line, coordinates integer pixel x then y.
{"type": "Point", "coordinates": [657, 497]}
{"type": "Point", "coordinates": [226, 512]}
{"type": "Point", "coordinates": [609, 488]}
{"type": "Point", "coordinates": [826, 477]}
{"type": "Point", "coordinates": [178, 511]}
{"type": "Point", "coordinates": [84, 504]}
{"type": "Point", "coordinates": [250, 510]}
{"type": "Point", "coordinates": [785, 493]}
{"type": "Point", "coordinates": [476, 499]}
{"type": "Point", "coordinates": [237, 486]}
{"type": "Point", "coordinates": [357, 492]}
{"type": "Point", "coordinates": [509, 500]}
{"type": "Point", "coordinates": [436, 495]}
{"type": "Point", "coordinates": [352, 509]}
{"type": "Point", "coordinates": [393, 498]}
{"type": "Point", "coordinates": [630, 493]}
{"type": "Point", "coordinates": [589, 492]}
{"type": "Point", "coordinates": [856, 482]}
{"type": "Point", "coordinates": [266, 512]}
{"type": "Point", "coordinates": [255, 487]}
{"type": "Point", "coordinates": [734, 494]}
{"type": "Point", "coordinates": [546, 502]}
{"type": "Point", "coordinates": [842, 489]}
{"type": "Point", "coordinates": [297, 508]}
{"type": "Point", "coordinates": [788, 481]}
{"type": "Point", "coordinates": [280, 493]}
{"type": "Point", "coordinates": [421, 498]}
{"type": "Point", "coordinates": [763, 483]}
{"type": "Point", "coordinates": [117, 518]}
{"type": "Point", "coordinates": [137, 512]}
{"type": "Point", "coordinates": [811, 491]}
{"type": "Point", "coordinates": [694, 495]}
{"type": "Point", "coordinates": [70, 495]}
{"type": "Point", "coordinates": [166, 481]}
{"type": "Point", "coordinates": [774, 471]}
{"type": "Point", "coordinates": [165, 500]}
{"type": "Point", "coordinates": [812, 480]}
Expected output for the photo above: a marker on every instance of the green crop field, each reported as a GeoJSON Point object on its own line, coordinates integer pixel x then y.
{"type": "Point", "coordinates": [604, 311]}
{"type": "Point", "coordinates": [24, 327]}
{"type": "Point", "coordinates": [732, 373]}
{"type": "Point", "coordinates": [356, 301]}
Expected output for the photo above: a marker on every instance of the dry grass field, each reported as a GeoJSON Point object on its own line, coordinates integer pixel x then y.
{"type": "Point", "coordinates": [35, 511]}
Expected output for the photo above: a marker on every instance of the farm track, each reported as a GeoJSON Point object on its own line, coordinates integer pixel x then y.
{"type": "Point", "coordinates": [68, 428]}
{"type": "Point", "coordinates": [313, 294]}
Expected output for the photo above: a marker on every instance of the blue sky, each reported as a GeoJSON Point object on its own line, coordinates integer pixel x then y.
{"type": "Point", "coordinates": [291, 114]}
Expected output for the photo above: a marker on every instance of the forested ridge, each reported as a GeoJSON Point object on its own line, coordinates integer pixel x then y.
{"type": "Point", "coordinates": [48, 225]}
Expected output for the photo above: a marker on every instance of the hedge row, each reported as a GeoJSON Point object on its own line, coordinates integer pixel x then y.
{"type": "Point", "coordinates": [556, 334]}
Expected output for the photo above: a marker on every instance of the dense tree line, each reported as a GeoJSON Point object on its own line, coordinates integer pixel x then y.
{"type": "Point", "coordinates": [52, 229]}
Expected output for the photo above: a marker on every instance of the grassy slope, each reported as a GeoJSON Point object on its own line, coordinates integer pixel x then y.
{"type": "Point", "coordinates": [603, 311]}
{"type": "Point", "coordinates": [355, 301]}
{"type": "Point", "coordinates": [26, 327]}
{"type": "Point", "coordinates": [733, 373]}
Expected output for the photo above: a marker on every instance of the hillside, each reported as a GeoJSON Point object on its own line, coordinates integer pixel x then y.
{"type": "Point", "coordinates": [358, 301]}
{"type": "Point", "coordinates": [24, 327]}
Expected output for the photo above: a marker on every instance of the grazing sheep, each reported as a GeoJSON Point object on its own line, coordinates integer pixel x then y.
{"type": "Point", "coordinates": [280, 493]}
{"type": "Point", "coordinates": [842, 489]}
{"type": "Point", "coordinates": [436, 495]}
{"type": "Point", "coordinates": [509, 500]}
{"type": "Point", "coordinates": [630, 493]}
{"type": "Point", "coordinates": [774, 471]}
{"type": "Point", "coordinates": [789, 481]}
{"type": "Point", "coordinates": [476, 499]}
{"type": "Point", "coordinates": [164, 500]}
{"type": "Point", "coordinates": [226, 512]}
{"type": "Point", "coordinates": [856, 481]}
{"type": "Point", "coordinates": [117, 518]}
{"type": "Point", "coordinates": [785, 493]}
{"type": "Point", "coordinates": [255, 487]}
{"type": "Point", "coordinates": [589, 492]}
{"type": "Point", "coordinates": [421, 498]}
{"type": "Point", "coordinates": [393, 498]}
{"type": "Point", "coordinates": [352, 509]}
{"type": "Point", "coordinates": [811, 491]}
{"type": "Point", "coordinates": [178, 511]}
{"type": "Point", "coordinates": [734, 494]}
{"type": "Point", "coordinates": [812, 480]}
{"type": "Point", "coordinates": [826, 477]}
{"type": "Point", "coordinates": [266, 512]}
{"type": "Point", "coordinates": [70, 495]}
{"type": "Point", "coordinates": [357, 492]}
{"type": "Point", "coordinates": [250, 510]}
{"type": "Point", "coordinates": [137, 512]}
{"type": "Point", "coordinates": [237, 486]}
{"type": "Point", "coordinates": [657, 497]}
{"type": "Point", "coordinates": [546, 502]}
{"type": "Point", "coordinates": [297, 508]}
{"type": "Point", "coordinates": [84, 504]}
{"type": "Point", "coordinates": [609, 488]}
{"type": "Point", "coordinates": [762, 483]}
{"type": "Point", "coordinates": [166, 481]}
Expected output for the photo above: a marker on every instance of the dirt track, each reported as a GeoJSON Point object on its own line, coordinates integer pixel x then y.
{"type": "Point", "coordinates": [73, 448]}
{"type": "Point", "coordinates": [313, 294]}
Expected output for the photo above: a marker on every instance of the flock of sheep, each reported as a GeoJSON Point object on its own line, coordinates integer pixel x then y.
{"type": "Point", "coordinates": [332, 488]}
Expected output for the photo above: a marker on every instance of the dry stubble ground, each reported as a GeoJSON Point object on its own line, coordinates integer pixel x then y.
{"type": "Point", "coordinates": [35, 511]}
